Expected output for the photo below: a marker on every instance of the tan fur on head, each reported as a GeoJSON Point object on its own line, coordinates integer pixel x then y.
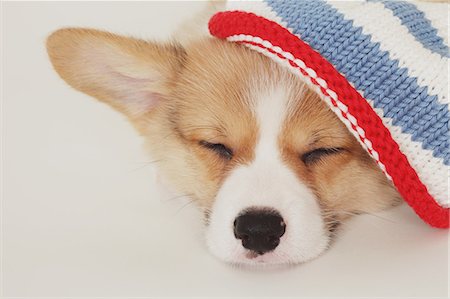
{"type": "Point", "coordinates": [208, 91]}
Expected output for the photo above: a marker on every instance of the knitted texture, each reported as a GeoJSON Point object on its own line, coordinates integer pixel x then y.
{"type": "Point", "coordinates": [381, 66]}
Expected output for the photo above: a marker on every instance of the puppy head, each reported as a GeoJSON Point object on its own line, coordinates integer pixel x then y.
{"type": "Point", "coordinates": [273, 169]}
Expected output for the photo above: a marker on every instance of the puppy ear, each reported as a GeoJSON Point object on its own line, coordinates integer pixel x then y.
{"type": "Point", "coordinates": [129, 74]}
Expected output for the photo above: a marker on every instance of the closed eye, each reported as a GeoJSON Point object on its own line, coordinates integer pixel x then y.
{"type": "Point", "coordinates": [314, 156]}
{"type": "Point", "coordinates": [218, 148]}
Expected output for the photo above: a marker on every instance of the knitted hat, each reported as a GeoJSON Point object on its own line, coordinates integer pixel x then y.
{"type": "Point", "coordinates": [381, 66]}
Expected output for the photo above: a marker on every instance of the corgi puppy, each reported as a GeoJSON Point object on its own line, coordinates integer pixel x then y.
{"type": "Point", "coordinates": [271, 166]}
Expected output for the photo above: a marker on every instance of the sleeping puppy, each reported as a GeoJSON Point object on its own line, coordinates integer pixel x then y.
{"type": "Point", "coordinates": [271, 166]}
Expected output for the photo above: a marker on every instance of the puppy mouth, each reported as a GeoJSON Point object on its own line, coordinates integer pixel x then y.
{"type": "Point", "coordinates": [251, 257]}
{"type": "Point", "coordinates": [252, 254]}
{"type": "Point", "coordinates": [269, 260]}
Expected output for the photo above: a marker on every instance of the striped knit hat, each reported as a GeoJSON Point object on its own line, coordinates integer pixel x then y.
{"type": "Point", "coordinates": [381, 66]}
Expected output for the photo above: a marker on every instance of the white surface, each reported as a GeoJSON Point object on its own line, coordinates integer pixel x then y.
{"type": "Point", "coordinates": [82, 214]}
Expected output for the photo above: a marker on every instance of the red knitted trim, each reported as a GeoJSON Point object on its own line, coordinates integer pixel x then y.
{"type": "Point", "coordinates": [404, 177]}
{"type": "Point", "coordinates": [340, 108]}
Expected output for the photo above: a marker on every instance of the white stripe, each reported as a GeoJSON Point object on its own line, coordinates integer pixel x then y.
{"type": "Point", "coordinates": [267, 182]}
{"type": "Point", "coordinates": [430, 68]}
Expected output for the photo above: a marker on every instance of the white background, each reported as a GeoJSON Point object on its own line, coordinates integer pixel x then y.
{"type": "Point", "coordinates": [82, 214]}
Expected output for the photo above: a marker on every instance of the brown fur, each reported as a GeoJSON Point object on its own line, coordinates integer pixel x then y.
{"type": "Point", "coordinates": [203, 93]}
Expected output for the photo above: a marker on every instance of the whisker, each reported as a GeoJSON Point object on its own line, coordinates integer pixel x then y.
{"type": "Point", "coordinates": [381, 217]}
{"type": "Point", "coordinates": [178, 197]}
{"type": "Point", "coordinates": [146, 164]}
{"type": "Point", "coordinates": [190, 202]}
{"type": "Point", "coordinates": [350, 213]}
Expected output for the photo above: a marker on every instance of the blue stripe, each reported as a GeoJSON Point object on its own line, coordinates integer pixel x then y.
{"type": "Point", "coordinates": [418, 25]}
{"type": "Point", "coordinates": [371, 71]}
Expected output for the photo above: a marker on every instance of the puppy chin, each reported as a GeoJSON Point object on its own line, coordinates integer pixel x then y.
{"type": "Point", "coordinates": [232, 251]}
{"type": "Point", "coordinates": [286, 254]}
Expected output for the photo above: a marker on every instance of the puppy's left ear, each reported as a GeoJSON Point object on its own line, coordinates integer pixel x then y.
{"type": "Point", "coordinates": [131, 75]}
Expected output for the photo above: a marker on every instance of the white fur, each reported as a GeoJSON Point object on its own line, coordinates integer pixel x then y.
{"type": "Point", "coordinates": [268, 182]}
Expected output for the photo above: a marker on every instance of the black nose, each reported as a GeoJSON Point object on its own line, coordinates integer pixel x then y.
{"type": "Point", "coordinates": [259, 230]}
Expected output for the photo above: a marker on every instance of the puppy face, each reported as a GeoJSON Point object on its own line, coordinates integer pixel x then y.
{"type": "Point", "coordinates": [273, 169]}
